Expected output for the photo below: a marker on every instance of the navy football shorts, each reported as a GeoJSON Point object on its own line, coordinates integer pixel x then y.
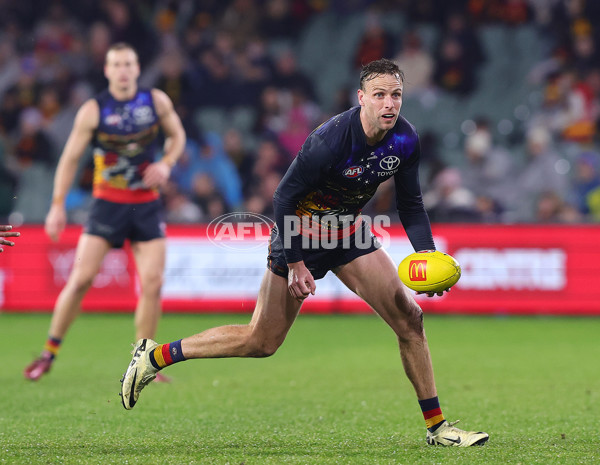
{"type": "Point", "coordinates": [320, 260]}
{"type": "Point", "coordinates": [117, 222]}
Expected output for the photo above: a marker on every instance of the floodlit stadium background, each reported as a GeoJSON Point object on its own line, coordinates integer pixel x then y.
{"type": "Point", "coordinates": [505, 96]}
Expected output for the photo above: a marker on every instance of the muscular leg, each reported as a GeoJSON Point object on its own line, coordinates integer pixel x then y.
{"type": "Point", "coordinates": [91, 250]}
{"type": "Point", "coordinates": [374, 278]}
{"type": "Point", "coordinates": [150, 263]}
{"type": "Point", "coordinates": [273, 316]}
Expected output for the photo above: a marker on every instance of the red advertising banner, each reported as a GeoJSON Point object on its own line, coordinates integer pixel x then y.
{"type": "Point", "coordinates": [524, 269]}
{"type": "Point", "coordinates": [34, 271]}
{"type": "Point", "coordinates": [505, 270]}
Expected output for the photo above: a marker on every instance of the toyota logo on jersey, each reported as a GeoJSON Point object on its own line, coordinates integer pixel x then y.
{"type": "Point", "coordinates": [353, 172]}
{"type": "Point", "coordinates": [389, 163]}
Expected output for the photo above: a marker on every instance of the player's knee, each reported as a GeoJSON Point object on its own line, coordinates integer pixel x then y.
{"type": "Point", "coordinates": [266, 350]}
{"type": "Point", "coordinates": [260, 347]}
{"type": "Point", "coordinates": [411, 329]}
{"type": "Point", "coordinates": [80, 284]}
{"type": "Point", "coordinates": [414, 318]}
{"type": "Point", "coordinates": [151, 283]}
{"type": "Point", "coordinates": [407, 303]}
{"type": "Point", "coordinates": [411, 319]}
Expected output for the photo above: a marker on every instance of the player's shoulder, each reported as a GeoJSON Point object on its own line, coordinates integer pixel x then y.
{"type": "Point", "coordinates": [336, 131]}
{"type": "Point", "coordinates": [162, 102]}
{"type": "Point", "coordinates": [339, 123]}
{"type": "Point", "coordinates": [403, 126]}
{"type": "Point", "coordinates": [88, 113]}
{"type": "Point", "coordinates": [407, 135]}
{"type": "Point", "coordinates": [157, 93]}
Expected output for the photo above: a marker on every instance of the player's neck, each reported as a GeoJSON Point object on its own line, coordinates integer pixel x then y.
{"type": "Point", "coordinates": [372, 134]}
{"type": "Point", "coordinates": [122, 93]}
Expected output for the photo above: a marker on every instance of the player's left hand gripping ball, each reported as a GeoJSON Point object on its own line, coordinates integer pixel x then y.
{"type": "Point", "coordinates": [430, 272]}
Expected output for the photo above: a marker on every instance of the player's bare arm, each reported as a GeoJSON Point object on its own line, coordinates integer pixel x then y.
{"type": "Point", "coordinates": [81, 135]}
{"type": "Point", "coordinates": [300, 281]}
{"type": "Point", "coordinates": [158, 173]}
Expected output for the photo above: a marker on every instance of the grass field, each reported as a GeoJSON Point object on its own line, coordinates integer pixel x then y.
{"type": "Point", "coordinates": [335, 393]}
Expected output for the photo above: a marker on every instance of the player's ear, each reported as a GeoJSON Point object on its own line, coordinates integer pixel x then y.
{"type": "Point", "coordinates": [361, 97]}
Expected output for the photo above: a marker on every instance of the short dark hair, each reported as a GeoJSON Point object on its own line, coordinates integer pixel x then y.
{"type": "Point", "coordinates": [377, 68]}
{"type": "Point", "coordinates": [122, 46]}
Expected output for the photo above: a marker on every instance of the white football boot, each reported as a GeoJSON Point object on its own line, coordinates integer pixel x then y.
{"type": "Point", "coordinates": [448, 435]}
{"type": "Point", "coordinates": [139, 373]}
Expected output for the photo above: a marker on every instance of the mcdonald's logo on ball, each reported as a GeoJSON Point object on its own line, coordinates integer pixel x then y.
{"type": "Point", "coordinates": [429, 271]}
{"type": "Point", "coordinates": [417, 270]}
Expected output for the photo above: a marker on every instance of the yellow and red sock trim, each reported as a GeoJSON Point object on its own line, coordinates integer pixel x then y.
{"type": "Point", "coordinates": [52, 346]}
{"type": "Point", "coordinates": [431, 412]}
{"type": "Point", "coordinates": [166, 354]}
{"type": "Point", "coordinates": [433, 417]}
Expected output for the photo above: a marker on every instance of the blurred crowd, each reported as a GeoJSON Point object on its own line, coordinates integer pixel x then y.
{"type": "Point", "coordinates": [557, 178]}
{"type": "Point", "coordinates": [236, 63]}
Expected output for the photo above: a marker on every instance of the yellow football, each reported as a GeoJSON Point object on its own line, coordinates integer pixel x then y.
{"type": "Point", "coordinates": [429, 271]}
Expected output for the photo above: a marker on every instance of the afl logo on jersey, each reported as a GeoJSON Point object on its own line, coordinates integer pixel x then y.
{"type": "Point", "coordinates": [113, 120]}
{"type": "Point", "coordinates": [353, 172]}
{"type": "Point", "coordinates": [143, 114]}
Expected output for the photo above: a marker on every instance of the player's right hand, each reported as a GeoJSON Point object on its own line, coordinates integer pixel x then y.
{"type": "Point", "coordinates": [300, 281]}
{"type": "Point", "coordinates": [56, 220]}
{"type": "Point", "coordinates": [156, 174]}
{"type": "Point", "coordinates": [5, 231]}
{"type": "Point", "coordinates": [432, 294]}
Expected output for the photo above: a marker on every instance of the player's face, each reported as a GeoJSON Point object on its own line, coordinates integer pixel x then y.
{"type": "Point", "coordinates": [380, 101]}
{"type": "Point", "coordinates": [121, 69]}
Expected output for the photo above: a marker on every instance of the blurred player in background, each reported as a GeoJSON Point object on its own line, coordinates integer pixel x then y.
{"type": "Point", "coordinates": [123, 124]}
{"type": "Point", "coordinates": [6, 231]}
{"type": "Point", "coordinates": [335, 173]}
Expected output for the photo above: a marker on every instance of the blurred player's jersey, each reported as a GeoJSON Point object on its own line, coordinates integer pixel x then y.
{"type": "Point", "coordinates": [125, 143]}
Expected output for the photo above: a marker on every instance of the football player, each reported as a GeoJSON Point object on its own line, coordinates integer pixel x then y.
{"type": "Point", "coordinates": [122, 123]}
{"type": "Point", "coordinates": [320, 197]}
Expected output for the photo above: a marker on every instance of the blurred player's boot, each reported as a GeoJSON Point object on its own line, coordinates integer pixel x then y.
{"type": "Point", "coordinates": [38, 367]}
{"type": "Point", "coordinates": [448, 435]}
{"type": "Point", "coordinates": [139, 373]}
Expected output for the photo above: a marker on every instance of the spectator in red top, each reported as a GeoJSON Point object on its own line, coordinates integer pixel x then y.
{"type": "Point", "coordinates": [375, 43]}
{"type": "Point", "coordinates": [453, 72]}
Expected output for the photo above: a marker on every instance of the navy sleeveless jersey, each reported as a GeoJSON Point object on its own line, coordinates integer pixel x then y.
{"type": "Point", "coordinates": [125, 143]}
{"type": "Point", "coordinates": [336, 173]}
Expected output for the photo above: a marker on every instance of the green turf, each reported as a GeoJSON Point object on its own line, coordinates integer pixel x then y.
{"type": "Point", "coordinates": [335, 393]}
